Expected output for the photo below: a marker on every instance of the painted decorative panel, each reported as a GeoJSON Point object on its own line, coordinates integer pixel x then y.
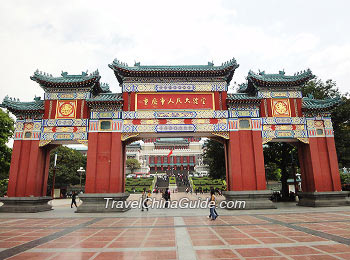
{"type": "Point", "coordinates": [28, 129]}
{"type": "Point", "coordinates": [256, 124]}
{"type": "Point", "coordinates": [233, 124]}
{"type": "Point", "coordinates": [175, 87]}
{"type": "Point", "coordinates": [244, 113]}
{"type": "Point", "coordinates": [63, 136]}
{"type": "Point", "coordinates": [66, 109]}
{"type": "Point", "coordinates": [65, 122]}
{"type": "Point", "coordinates": [106, 114]}
{"type": "Point", "coordinates": [175, 114]}
{"type": "Point", "coordinates": [279, 94]}
{"type": "Point", "coordinates": [280, 108]}
{"type": "Point", "coordinates": [114, 126]}
{"type": "Point", "coordinates": [67, 96]}
{"type": "Point", "coordinates": [283, 120]}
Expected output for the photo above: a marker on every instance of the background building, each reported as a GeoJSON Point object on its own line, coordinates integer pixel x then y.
{"type": "Point", "coordinates": [152, 153]}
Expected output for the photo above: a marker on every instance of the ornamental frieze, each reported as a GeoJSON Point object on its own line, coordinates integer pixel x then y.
{"type": "Point", "coordinates": [174, 86]}
{"type": "Point", "coordinates": [175, 114]}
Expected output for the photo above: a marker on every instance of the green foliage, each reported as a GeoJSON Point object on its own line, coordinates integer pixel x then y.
{"type": "Point", "coordinates": [132, 164]}
{"type": "Point", "coordinates": [207, 183]}
{"type": "Point", "coordinates": [340, 115]}
{"type": "Point", "coordinates": [3, 187]}
{"type": "Point", "coordinates": [344, 178]}
{"type": "Point", "coordinates": [6, 131]}
{"type": "Point", "coordinates": [279, 157]}
{"type": "Point", "coordinates": [68, 162]}
{"type": "Point", "coordinates": [214, 157]}
{"type": "Point", "coordinates": [138, 184]}
{"type": "Point", "coordinates": [273, 173]}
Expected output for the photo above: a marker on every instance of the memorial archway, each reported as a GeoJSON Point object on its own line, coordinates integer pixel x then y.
{"type": "Point", "coordinates": [172, 100]}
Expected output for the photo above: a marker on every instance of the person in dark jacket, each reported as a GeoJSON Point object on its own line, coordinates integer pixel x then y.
{"type": "Point", "coordinates": [74, 196]}
{"type": "Point", "coordinates": [166, 196]}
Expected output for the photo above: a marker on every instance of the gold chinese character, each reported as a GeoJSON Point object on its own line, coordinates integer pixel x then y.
{"type": "Point", "coordinates": [154, 101]}
{"type": "Point", "coordinates": [162, 100]}
{"type": "Point", "coordinates": [170, 101]}
{"type": "Point", "coordinates": [187, 100]}
{"type": "Point", "coordinates": [203, 100]}
{"type": "Point", "coordinates": [195, 101]}
{"type": "Point", "coordinates": [145, 101]}
{"type": "Point", "coordinates": [178, 100]}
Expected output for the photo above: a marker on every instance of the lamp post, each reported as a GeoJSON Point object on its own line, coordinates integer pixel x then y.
{"type": "Point", "coordinates": [81, 171]}
{"type": "Point", "coordinates": [53, 176]}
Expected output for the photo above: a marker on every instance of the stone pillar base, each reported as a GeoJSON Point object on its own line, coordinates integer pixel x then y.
{"type": "Point", "coordinates": [323, 199]}
{"type": "Point", "coordinates": [254, 199]}
{"type": "Point", "coordinates": [96, 202]}
{"type": "Point", "coordinates": [25, 204]}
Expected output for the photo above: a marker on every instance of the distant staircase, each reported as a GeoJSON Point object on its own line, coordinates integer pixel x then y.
{"type": "Point", "coordinates": [162, 184]}
{"type": "Point", "coordinates": [180, 186]}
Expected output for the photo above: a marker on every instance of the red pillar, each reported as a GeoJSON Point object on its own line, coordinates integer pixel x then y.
{"type": "Point", "coordinates": [29, 169]}
{"type": "Point", "coordinates": [245, 162]}
{"type": "Point", "coordinates": [319, 165]}
{"type": "Point", "coordinates": [105, 163]}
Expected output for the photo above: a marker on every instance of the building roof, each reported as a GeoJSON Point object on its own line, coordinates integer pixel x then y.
{"type": "Point", "coordinates": [242, 98]}
{"type": "Point", "coordinates": [18, 107]}
{"type": "Point", "coordinates": [261, 80]}
{"type": "Point", "coordinates": [171, 141]}
{"type": "Point", "coordinates": [225, 70]}
{"type": "Point", "coordinates": [66, 81]}
{"type": "Point", "coordinates": [134, 145]}
{"type": "Point", "coordinates": [106, 98]}
{"type": "Point", "coordinates": [311, 104]}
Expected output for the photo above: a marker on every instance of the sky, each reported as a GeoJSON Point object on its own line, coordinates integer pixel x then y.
{"type": "Point", "coordinates": [76, 36]}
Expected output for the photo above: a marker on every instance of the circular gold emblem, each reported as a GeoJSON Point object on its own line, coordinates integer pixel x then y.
{"type": "Point", "coordinates": [66, 109]}
{"type": "Point", "coordinates": [281, 107]}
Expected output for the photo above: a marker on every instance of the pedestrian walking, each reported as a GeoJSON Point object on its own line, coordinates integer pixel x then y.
{"type": "Point", "coordinates": [74, 196]}
{"type": "Point", "coordinates": [144, 200]}
{"type": "Point", "coordinates": [212, 202]}
{"type": "Point", "coordinates": [166, 196]}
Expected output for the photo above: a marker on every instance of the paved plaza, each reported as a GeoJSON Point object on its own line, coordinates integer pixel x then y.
{"type": "Point", "coordinates": [289, 232]}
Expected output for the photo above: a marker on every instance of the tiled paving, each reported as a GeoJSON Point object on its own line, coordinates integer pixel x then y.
{"type": "Point", "coordinates": [274, 234]}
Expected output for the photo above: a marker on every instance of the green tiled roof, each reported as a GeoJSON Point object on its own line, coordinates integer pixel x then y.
{"type": "Point", "coordinates": [262, 80]}
{"type": "Point", "coordinates": [85, 80]}
{"type": "Point", "coordinates": [105, 88]}
{"type": "Point", "coordinates": [122, 70]}
{"type": "Point", "coordinates": [242, 98]}
{"type": "Point", "coordinates": [169, 141]}
{"type": "Point", "coordinates": [317, 104]}
{"type": "Point", "coordinates": [16, 106]}
{"type": "Point", "coordinates": [106, 97]}
{"type": "Point", "coordinates": [42, 77]}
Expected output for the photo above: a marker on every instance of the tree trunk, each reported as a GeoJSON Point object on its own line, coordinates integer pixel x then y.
{"type": "Point", "coordinates": [284, 178]}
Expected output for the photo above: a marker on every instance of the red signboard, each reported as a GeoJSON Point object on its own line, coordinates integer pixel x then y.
{"type": "Point", "coordinates": [170, 101]}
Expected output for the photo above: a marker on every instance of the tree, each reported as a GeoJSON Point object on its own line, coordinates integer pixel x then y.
{"type": "Point", "coordinates": [68, 162]}
{"type": "Point", "coordinates": [133, 164]}
{"type": "Point", "coordinates": [273, 173]}
{"type": "Point", "coordinates": [214, 157]}
{"type": "Point", "coordinates": [281, 155]}
{"type": "Point", "coordinates": [6, 132]}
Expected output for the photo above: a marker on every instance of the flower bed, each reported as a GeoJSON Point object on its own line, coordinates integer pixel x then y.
{"type": "Point", "coordinates": [206, 183]}
{"type": "Point", "coordinates": [138, 184]}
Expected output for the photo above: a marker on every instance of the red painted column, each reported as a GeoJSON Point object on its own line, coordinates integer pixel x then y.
{"type": "Point", "coordinates": [106, 160]}
{"type": "Point", "coordinates": [15, 158]}
{"type": "Point", "coordinates": [245, 162]}
{"type": "Point", "coordinates": [28, 170]}
{"type": "Point", "coordinates": [319, 165]}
